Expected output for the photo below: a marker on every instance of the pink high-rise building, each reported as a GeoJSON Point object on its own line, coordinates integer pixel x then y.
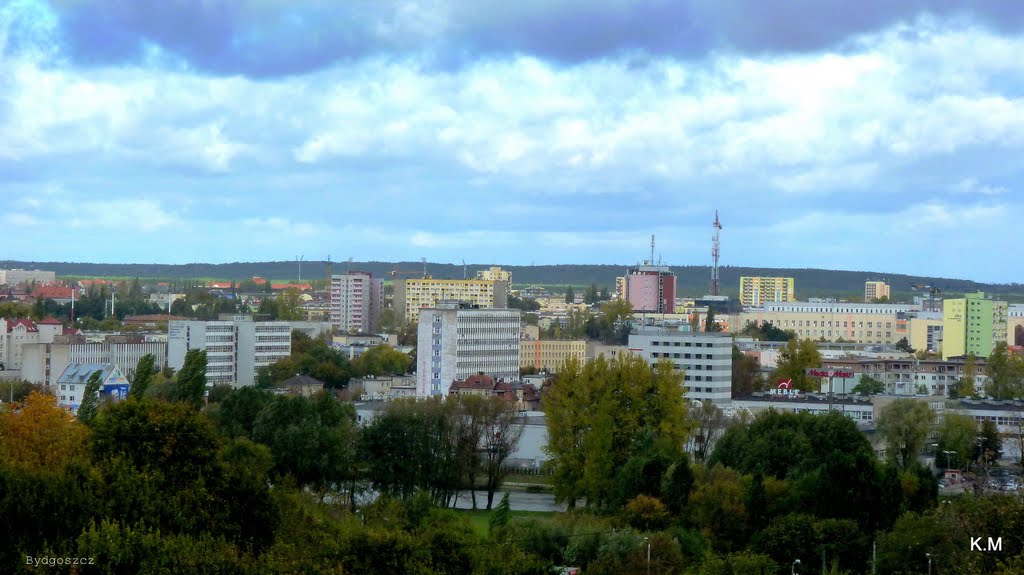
{"type": "Point", "coordinates": [651, 289]}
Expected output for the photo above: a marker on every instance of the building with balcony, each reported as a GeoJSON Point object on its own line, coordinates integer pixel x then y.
{"type": "Point", "coordinates": [355, 302]}
{"type": "Point", "coordinates": [877, 323]}
{"type": "Point", "coordinates": [415, 294]}
{"type": "Point", "coordinates": [651, 289]}
{"type": "Point", "coordinates": [550, 355]}
{"type": "Point", "coordinates": [755, 291]}
{"type": "Point", "coordinates": [972, 325]}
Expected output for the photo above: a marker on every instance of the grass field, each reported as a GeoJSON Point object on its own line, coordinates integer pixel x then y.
{"type": "Point", "coordinates": [480, 519]}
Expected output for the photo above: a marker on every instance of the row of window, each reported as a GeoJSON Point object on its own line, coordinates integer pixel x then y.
{"type": "Point", "coordinates": [687, 355]}
{"type": "Point", "coordinates": [682, 344]}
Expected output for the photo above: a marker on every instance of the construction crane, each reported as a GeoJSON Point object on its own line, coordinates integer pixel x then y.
{"type": "Point", "coordinates": [932, 290]}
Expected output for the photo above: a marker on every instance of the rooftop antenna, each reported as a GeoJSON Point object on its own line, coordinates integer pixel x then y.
{"type": "Point", "coordinates": [299, 259]}
{"type": "Point", "coordinates": [715, 244]}
{"type": "Point", "coordinates": [424, 260]}
{"type": "Point", "coordinates": [465, 274]}
{"type": "Point", "coordinates": [348, 266]}
{"type": "Point", "coordinates": [652, 249]}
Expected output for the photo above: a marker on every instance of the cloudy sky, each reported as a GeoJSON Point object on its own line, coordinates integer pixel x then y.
{"type": "Point", "coordinates": [869, 135]}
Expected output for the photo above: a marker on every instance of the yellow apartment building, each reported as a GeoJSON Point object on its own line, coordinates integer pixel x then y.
{"type": "Point", "coordinates": [756, 291]}
{"type": "Point", "coordinates": [414, 294]}
{"type": "Point", "coordinates": [549, 355]}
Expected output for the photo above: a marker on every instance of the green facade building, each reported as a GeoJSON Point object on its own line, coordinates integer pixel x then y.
{"type": "Point", "coordinates": [972, 324]}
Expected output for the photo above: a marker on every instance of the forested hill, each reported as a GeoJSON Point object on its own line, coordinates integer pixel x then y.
{"type": "Point", "coordinates": [693, 280]}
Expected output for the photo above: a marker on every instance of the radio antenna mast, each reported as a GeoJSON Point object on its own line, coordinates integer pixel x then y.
{"type": "Point", "coordinates": [715, 245]}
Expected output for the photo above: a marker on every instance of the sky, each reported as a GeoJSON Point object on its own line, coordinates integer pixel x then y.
{"type": "Point", "coordinates": [871, 135]}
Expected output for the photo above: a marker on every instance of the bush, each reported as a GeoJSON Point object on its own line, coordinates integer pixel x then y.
{"type": "Point", "coordinates": [645, 513]}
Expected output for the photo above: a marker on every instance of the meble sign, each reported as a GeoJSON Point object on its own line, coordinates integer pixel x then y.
{"type": "Point", "coordinates": [819, 372]}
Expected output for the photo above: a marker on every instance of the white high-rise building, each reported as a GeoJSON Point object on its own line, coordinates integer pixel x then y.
{"type": "Point", "coordinates": [456, 341]}
{"type": "Point", "coordinates": [706, 357]}
{"type": "Point", "coordinates": [355, 302]}
{"type": "Point", "coordinates": [235, 348]}
{"type": "Point", "coordinates": [17, 276]}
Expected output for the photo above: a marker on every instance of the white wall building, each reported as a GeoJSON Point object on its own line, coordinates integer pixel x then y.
{"type": "Point", "coordinates": [44, 362]}
{"type": "Point", "coordinates": [705, 357]}
{"type": "Point", "coordinates": [355, 302]}
{"type": "Point", "coordinates": [15, 277]}
{"type": "Point", "coordinates": [456, 341]}
{"type": "Point", "coordinates": [70, 385]}
{"type": "Point", "coordinates": [235, 348]}
{"type": "Point", "coordinates": [15, 334]}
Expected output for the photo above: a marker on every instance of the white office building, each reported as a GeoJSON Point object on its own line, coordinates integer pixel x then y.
{"type": "Point", "coordinates": [44, 362]}
{"type": "Point", "coordinates": [17, 276]}
{"type": "Point", "coordinates": [235, 348]}
{"type": "Point", "coordinates": [355, 302]}
{"type": "Point", "coordinates": [456, 341]}
{"type": "Point", "coordinates": [705, 357]}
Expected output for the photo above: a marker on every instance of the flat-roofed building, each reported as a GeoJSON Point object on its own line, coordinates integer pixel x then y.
{"type": "Point", "coordinates": [759, 290]}
{"type": "Point", "coordinates": [455, 341]}
{"type": "Point", "coordinates": [875, 290]}
{"type": "Point", "coordinates": [705, 357]}
{"type": "Point", "coordinates": [550, 355]}
{"type": "Point", "coordinates": [415, 294]}
{"type": "Point", "coordinates": [878, 323]}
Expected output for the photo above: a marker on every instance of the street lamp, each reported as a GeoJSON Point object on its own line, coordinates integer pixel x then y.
{"type": "Point", "coordinates": [793, 568]}
{"type": "Point", "coordinates": [929, 555]}
{"type": "Point", "coordinates": [647, 540]}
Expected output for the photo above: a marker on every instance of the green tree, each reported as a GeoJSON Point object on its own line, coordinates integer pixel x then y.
{"type": "Point", "coordinates": [592, 295]}
{"type": "Point", "coordinates": [868, 386]}
{"type": "Point", "coordinates": [904, 345]}
{"type": "Point", "coordinates": [144, 372]}
{"type": "Point", "coordinates": [710, 324]}
{"type": "Point", "coordinates": [289, 305]}
{"type": "Point", "coordinates": [313, 440]}
{"type": "Point", "coordinates": [991, 442]}
{"type": "Point", "coordinates": [965, 387]}
{"type": "Point", "coordinates": [190, 386]}
{"type": "Point", "coordinates": [90, 398]}
{"type": "Point", "coordinates": [956, 436]}
{"type": "Point", "coordinates": [238, 411]}
{"type": "Point", "coordinates": [381, 360]}
{"type": "Point", "coordinates": [905, 424]}
{"type": "Point", "coordinates": [597, 413]}
{"type": "Point", "coordinates": [570, 296]}
{"type": "Point", "coordinates": [794, 359]}
{"type": "Point", "coordinates": [746, 373]}
{"type": "Point", "coordinates": [1005, 374]}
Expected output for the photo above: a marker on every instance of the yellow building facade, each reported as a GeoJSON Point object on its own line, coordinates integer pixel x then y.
{"type": "Point", "coordinates": [414, 294]}
{"type": "Point", "coordinates": [854, 322]}
{"type": "Point", "coordinates": [550, 355]}
{"type": "Point", "coordinates": [756, 291]}
{"type": "Point", "coordinates": [874, 290]}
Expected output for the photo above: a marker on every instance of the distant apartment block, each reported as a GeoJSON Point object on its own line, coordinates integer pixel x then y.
{"type": "Point", "coordinates": [355, 302]}
{"type": "Point", "coordinates": [235, 348]}
{"type": "Point", "coordinates": [705, 357]}
{"type": "Point", "coordinates": [972, 324]}
{"type": "Point", "coordinates": [1015, 324]}
{"type": "Point", "coordinates": [926, 331]}
{"type": "Point", "coordinates": [17, 276]}
{"type": "Point", "coordinates": [755, 291]}
{"type": "Point", "coordinates": [620, 287]}
{"type": "Point", "coordinates": [456, 341]}
{"type": "Point", "coordinates": [414, 294]}
{"type": "Point", "coordinates": [875, 290]}
{"type": "Point", "coordinates": [551, 355]}
{"type": "Point", "coordinates": [877, 323]}
{"type": "Point", "coordinates": [44, 362]}
{"type": "Point", "coordinates": [496, 274]}
{"type": "Point", "coordinates": [651, 289]}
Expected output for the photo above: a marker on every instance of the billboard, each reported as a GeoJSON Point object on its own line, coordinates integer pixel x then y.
{"type": "Point", "coordinates": [821, 372]}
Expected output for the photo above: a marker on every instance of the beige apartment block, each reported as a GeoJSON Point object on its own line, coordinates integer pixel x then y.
{"type": "Point", "coordinates": [414, 294]}
{"type": "Point", "coordinates": [875, 290]}
{"type": "Point", "coordinates": [854, 322]}
{"type": "Point", "coordinates": [550, 355]}
{"type": "Point", "coordinates": [756, 291]}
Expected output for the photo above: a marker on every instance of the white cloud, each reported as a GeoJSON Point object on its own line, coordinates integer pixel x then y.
{"type": "Point", "coordinates": [971, 186]}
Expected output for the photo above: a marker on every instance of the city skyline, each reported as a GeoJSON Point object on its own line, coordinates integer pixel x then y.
{"type": "Point", "coordinates": [886, 138]}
